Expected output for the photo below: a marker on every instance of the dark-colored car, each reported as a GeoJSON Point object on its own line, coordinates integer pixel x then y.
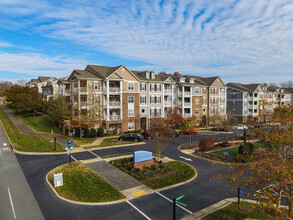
{"type": "Point", "coordinates": [220, 128]}
{"type": "Point", "coordinates": [176, 133]}
{"type": "Point", "coordinates": [131, 137]}
{"type": "Point", "coordinates": [225, 144]}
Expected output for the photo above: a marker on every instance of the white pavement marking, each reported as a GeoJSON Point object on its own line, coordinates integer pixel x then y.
{"type": "Point", "coordinates": [176, 204]}
{"type": "Point", "coordinates": [139, 210]}
{"type": "Point", "coordinates": [0, 152]}
{"type": "Point", "coordinates": [4, 144]}
{"type": "Point", "coordinates": [185, 158]}
{"type": "Point", "coordinates": [11, 203]}
{"type": "Point", "coordinates": [94, 154]}
{"type": "Point", "coordinates": [72, 157]}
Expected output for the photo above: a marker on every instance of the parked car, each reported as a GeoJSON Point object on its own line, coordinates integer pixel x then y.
{"type": "Point", "coordinates": [146, 135]}
{"type": "Point", "coordinates": [240, 127]}
{"type": "Point", "coordinates": [176, 133]}
{"type": "Point", "coordinates": [225, 144]}
{"type": "Point", "coordinates": [189, 132]}
{"type": "Point", "coordinates": [131, 137]}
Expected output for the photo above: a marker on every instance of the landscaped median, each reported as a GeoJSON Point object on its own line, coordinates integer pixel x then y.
{"type": "Point", "coordinates": [24, 142]}
{"type": "Point", "coordinates": [107, 142]}
{"type": "Point", "coordinates": [82, 184]}
{"type": "Point", "coordinates": [158, 175]}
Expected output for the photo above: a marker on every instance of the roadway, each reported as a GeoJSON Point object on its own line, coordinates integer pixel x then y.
{"type": "Point", "coordinates": [199, 193]}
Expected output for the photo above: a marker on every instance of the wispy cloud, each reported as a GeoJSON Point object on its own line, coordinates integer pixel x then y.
{"type": "Point", "coordinates": [5, 44]}
{"type": "Point", "coordinates": [228, 38]}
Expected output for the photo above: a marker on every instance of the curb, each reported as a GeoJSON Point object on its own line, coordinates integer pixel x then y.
{"type": "Point", "coordinates": [3, 128]}
{"type": "Point", "coordinates": [109, 147]}
{"type": "Point", "coordinates": [81, 203]}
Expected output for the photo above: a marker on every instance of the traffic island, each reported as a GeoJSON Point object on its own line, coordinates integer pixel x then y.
{"type": "Point", "coordinates": [81, 184]}
{"type": "Point", "coordinates": [159, 174]}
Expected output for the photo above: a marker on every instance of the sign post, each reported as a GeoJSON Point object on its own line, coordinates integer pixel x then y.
{"type": "Point", "coordinates": [240, 194]}
{"type": "Point", "coordinates": [54, 143]}
{"type": "Point", "coordinates": [176, 201]}
{"type": "Point", "coordinates": [69, 149]}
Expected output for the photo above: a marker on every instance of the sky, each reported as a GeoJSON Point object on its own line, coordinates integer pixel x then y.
{"type": "Point", "coordinates": [244, 41]}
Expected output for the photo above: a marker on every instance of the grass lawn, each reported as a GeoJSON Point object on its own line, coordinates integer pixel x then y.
{"type": "Point", "coordinates": [83, 141]}
{"type": "Point", "coordinates": [232, 212]}
{"type": "Point", "coordinates": [39, 123]}
{"type": "Point", "coordinates": [27, 143]}
{"type": "Point", "coordinates": [110, 142]}
{"type": "Point", "coordinates": [182, 172]}
{"type": "Point", "coordinates": [233, 150]}
{"type": "Point", "coordinates": [82, 184]}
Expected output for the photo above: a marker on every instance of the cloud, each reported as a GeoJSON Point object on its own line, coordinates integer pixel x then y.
{"type": "Point", "coordinates": [5, 44]}
{"type": "Point", "coordinates": [37, 64]}
{"type": "Point", "coordinates": [229, 38]}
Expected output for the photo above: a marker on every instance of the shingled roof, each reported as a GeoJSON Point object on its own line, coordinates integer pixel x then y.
{"type": "Point", "coordinates": [104, 71]}
{"type": "Point", "coordinates": [140, 75]}
{"type": "Point", "coordinates": [43, 78]}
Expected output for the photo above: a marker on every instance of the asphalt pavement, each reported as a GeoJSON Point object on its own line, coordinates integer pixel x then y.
{"type": "Point", "coordinates": [199, 193]}
{"type": "Point", "coordinates": [16, 198]}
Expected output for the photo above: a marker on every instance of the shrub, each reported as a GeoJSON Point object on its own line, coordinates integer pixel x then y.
{"type": "Point", "coordinates": [246, 148]}
{"type": "Point", "coordinates": [241, 149]}
{"type": "Point", "coordinates": [77, 132]}
{"type": "Point", "coordinates": [206, 144]}
{"type": "Point", "coordinates": [100, 132]}
{"type": "Point", "coordinates": [93, 133]}
{"type": "Point", "coordinates": [244, 136]}
{"type": "Point", "coordinates": [86, 132]}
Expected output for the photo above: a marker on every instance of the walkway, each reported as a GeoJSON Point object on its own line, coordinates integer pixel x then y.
{"type": "Point", "coordinates": [25, 129]}
{"type": "Point", "coordinates": [123, 182]}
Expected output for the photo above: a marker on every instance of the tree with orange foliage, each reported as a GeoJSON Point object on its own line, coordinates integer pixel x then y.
{"type": "Point", "coordinates": [268, 175]}
{"type": "Point", "coordinates": [174, 118]}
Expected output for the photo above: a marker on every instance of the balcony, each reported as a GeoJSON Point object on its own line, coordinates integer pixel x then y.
{"type": "Point", "coordinates": [187, 93]}
{"type": "Point", "coordinates": [83, 90]}
{"type": "Point", "coordinates": [114, 117]}
{"type": "Point", "coordinates": [187, 115]}
{"type": "Point", "coordinates": [187, 104]}
{"type": "Point", "coordinates": [168, 90]}
{"type": "Point", "coordinates": [168, 103]}
{"type": "Point", "coordinates": [67, 92]}
{"type": "Point", "coordinates": [83, 104]}
{"type": "Point", "coordinates": [114, 104]}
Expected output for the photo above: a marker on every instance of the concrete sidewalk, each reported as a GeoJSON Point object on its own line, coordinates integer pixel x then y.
{"type": "Point", "coordinates": [126, 184]}
{"type": "Point", "coordinates": [25, 129]}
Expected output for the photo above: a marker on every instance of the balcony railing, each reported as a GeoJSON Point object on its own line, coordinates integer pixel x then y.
{"type": "Point", "coordinates": [168, 90]}
{"type": "Point", "coordinates": [187, 93]}
{"type": "Point", "coordinates": [187, 104]}
{"type": "Point", "coordinates": [114, 117]}
{"type": "Point", "coordinates": [114, 89]}
{"type": "Point", "coordinates": [83, 89]}
{"type": "Point", "coordinates": [186, 115]}
{"type": "Point", "coordinates": [67, 92]}
{"type": "Point", "coordinates": [83, 104]}
{"type": "Point", "coordinates": [168, 103]}
{"type": "Point", "coordinates": [114, 104]}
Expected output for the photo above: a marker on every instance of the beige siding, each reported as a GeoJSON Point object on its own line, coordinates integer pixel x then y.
{"type": "Point", "coordinates": [114, 76]}
{"type": "Point", "coordinates": [126, 75]}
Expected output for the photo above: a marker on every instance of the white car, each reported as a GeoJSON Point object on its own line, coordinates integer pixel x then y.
{"type": "Point", "coordinates": [240, 127]}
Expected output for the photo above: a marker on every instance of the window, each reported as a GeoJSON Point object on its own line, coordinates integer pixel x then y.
{"type": "Point", "coordinates": [216, 91]}
{"type": "Point", "coordinates": [196, 101]}
{"type": "Point", "coordinates": [131, 126]}
{"type": "Point", "coordinates": [158, 87]}
{"type": "Point", "coordinates": [196, 111]}
{"type": "Point", "coordinates": [143, 111]}
{"type": "Point", "coordinates": [130, 86]}
{"type": "Point", "coordinates": [204, 101]}
{"type": "Point", "coordinates": [152, 99]}
{"type": "Point", "coordinates": [143, 100]}
{"type": "Point", "coordinates": [143, 87]}
{"type": "Point", "coordinates": [96, 85]}
{"type": "Point", "coordinates": [130, 99]}
{"type": "Point", "coordinates": [204, 90]}
{"type": "Point", "coordinates": [197, 90]}
{"type": "Point", "coordinates": [130, 112]}
{"type": "Point", "coordinates": [152, 87]}
{"type": "Point", "coordinates": [158, 99]}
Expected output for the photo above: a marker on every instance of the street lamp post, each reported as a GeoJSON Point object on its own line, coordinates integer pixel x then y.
{"type": "Point", "coordinates": [69, 149]}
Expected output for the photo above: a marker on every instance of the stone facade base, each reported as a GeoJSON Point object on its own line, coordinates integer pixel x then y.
{"type": "Point", "coordinates": [143, 163]}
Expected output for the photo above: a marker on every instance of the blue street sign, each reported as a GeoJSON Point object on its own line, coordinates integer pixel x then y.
{"type": "Point", "coordinates": [241, 192]}
{"type": "Point", "coordinates": [226, 153]}
{"type": "Point", "coordinates": [69, 142]}
{"type": "Point", "coordinates": [71, 148]}
{"type": "Point", "coordinates": [66, 149]}
{"type": "Point", "coordinates": [69, 145]}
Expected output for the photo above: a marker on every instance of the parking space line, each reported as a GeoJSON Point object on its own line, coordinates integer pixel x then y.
{"type": "Point", "coordinates": [72, 157]}
{"type": "Point", "coordinates": [11, 203]}
{"type": "Point", "coordinates": [144, 215]}
{"type": "Point", "coordinates": [176, 204]}
{"type": "Point", "coordinates": [93, 153]}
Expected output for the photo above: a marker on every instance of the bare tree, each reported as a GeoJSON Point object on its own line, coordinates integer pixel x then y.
{"type": "Point", "coordinates": [161, 132]}
{"type": "Point", "coordinates": [272, 84]}
{"type": "Point", "coordinates": [21, 82]}
{"type": "Point", "coordinates": [288, 84]}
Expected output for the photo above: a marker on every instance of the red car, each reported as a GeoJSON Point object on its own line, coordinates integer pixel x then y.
{"type": "Point", "coordinates": [146, 135]}
{"type": "Point", "coordinates": [189, 132]}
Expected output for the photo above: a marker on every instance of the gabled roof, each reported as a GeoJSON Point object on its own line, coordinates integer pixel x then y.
{"type": "Point", "coordinates": [35, 80]}
{"type": "Point", "coordinates": [43, 78]}
{"type": "Point", "coordinates": [209, 80]}
{"type": "Point", "coordinates": [104, 71]}
{"type": "Point", "coordinates": [289, 90]}
{"type": "Point", "coordinates": [140, 75]}
{"type": "Point", "coordinates": [244, 87]}
{"type": "Point", "coordinates": [251, 87]}
{"type": "Point", "coordinates": [197, 79]}
{"type": "Point", "coordinates": [84, 74]}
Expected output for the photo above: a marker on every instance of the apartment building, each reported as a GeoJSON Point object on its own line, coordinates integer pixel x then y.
{"type": "Point", "coordinates": [40, 82]}
{"type": "Point", "coordinates": [115, 89]}
{"type": "Point", "coordinates": [246, 101]}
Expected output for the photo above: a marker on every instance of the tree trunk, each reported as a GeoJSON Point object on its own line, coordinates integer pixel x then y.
{"type": "Point", "coordinates": [80, 132]}
{"type": "Point", "coordinates": [63, 128]}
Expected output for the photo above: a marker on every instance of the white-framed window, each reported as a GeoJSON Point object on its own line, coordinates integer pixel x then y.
{"type": "Point", "coordinates": [96, 85]}
{"type": "Point", "coordinates": [196, 101]}
{"type": "Point", "coordinates": [204, 90]}
{"type": "Point", "coordinates": [143, 100]}
{"type": "Point", "coordinates": [130, 112]}
{"type": "Point", "coordinates": [158, 99]}
{"type": "Point", "coordinates": [204, 101]}
{"type": "Point", "coordinates": [197, 90]}
{"type": "Point", "coordinates": [130, 99]}
{"type": "Point", "coordinates": [130, 126]}
{"type": "Point", "coordinates": [158, 87]}
{"type": "Point", "coordinates": [152, 86]}
{"type": "Point", "coordinates": [130, 86]}
{"type": "Point", "coordinates": [196, 111]}
{"type": "Point", "coordinates": [143, 87]}
{"type": "Point", "coordinates": [153, 99]}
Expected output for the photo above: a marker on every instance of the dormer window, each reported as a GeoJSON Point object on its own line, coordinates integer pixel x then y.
{"type": "Point", "coordinates": [153, 74]}
{"type": "Point", "coordinates": [182, 79]}
{"type": "Point", "coordinates": [147, 74]}
{"type": "Point", "coordinates": [191, 80]}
